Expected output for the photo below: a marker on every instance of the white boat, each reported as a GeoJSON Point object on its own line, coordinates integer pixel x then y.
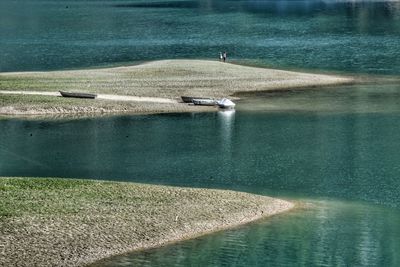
{"type": "Point", "coordinates": [204, 101]}
{"type": "Point", "coordinates": [225, 103]}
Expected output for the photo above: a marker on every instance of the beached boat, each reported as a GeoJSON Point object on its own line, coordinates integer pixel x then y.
{"type": "Point", "coordinates": [189, 99]}
{"type": "Point", "coordinates": [225, 103]}
{"type": "Point", "coordinates": [78, 95]}
{"type": "Point", "coordinates": [204, 102]}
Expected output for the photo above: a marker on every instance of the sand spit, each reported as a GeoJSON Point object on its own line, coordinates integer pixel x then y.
{"type": "Point", "coordinates": [64, 222]}
{"type": "Point", "coordinates": [100, 96]}
{"type": "Point", "coordinates": [141, 88]}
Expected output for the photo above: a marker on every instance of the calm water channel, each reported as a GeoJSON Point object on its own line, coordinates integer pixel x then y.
{"type": "Point", "coordinates": [355, 36]}
{"type": "Point", "coordinates": [336, 149]}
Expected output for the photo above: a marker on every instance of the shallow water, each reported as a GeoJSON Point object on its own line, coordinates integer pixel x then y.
{"type": "Point", "coordinates": [349, 36]}
{"type": "Point", "coordinates": [331, 233]}
{"type": "Point", "coordinates": [335, 149]}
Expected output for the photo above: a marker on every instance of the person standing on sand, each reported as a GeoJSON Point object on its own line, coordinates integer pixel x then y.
{"type": "Point", "coordinates": [220, 56]}
{"type": "Point", "coordinates": [224, 56]}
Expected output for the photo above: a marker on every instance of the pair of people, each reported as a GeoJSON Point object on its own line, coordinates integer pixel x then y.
{"type": "Point", "coordinates": [222, 56]}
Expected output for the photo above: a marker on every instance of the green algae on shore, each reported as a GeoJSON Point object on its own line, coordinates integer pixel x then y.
{"type": "Point", "coordinates": [53, 222]}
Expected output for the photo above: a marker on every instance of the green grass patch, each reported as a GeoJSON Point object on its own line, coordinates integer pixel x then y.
{"type": "Point", "coordinates": [22, 196]}
{"type": "Point", "coordinates": [52, 196]}
{"type": "Point", "coordinates": [38, 100]}
{"type": "Point", "coordinates": [43, 103]}
{"type": "Point", "coordinates": [40, 184]}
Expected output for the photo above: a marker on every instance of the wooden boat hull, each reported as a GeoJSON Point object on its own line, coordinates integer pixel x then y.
{"type": "Point", "coordinates": [189, 99]}
{"type": "Point", "coordinates": [78, 95]}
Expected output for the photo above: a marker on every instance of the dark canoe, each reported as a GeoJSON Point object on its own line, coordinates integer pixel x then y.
{"type": "Point", "coordinates": [78, 95]}
{"type": "Point", "coordinates": [189, 99]}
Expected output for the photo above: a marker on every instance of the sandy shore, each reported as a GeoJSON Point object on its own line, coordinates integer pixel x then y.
{"type": "Point", "coordinates": [64, 222]}
{"type": "Point", "coordinates": [150, 87]}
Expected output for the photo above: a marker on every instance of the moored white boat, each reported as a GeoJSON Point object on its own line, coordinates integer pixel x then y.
{"type": "Point", "coordinates": [225, 103]}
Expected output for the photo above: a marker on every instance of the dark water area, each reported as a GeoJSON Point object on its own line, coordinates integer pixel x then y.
{"type": "Point", "coordinates": [347, 156]}
{"type": "Point", "coordinates": [316, 148]}
{"type": "Point", "coordinates": [336, 150]}
{"type": "Point", "coordinates": [344, 36]}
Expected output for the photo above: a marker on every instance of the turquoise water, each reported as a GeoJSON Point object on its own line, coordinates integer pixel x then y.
{"type": "Point", "coordinates": [332, 233]}
{"type": "Point", "coordinates": [349, 36]}
{"type": "Point", "coordinates": [335, 149]}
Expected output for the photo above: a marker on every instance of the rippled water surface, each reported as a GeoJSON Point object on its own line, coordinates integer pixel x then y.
{"type": "Point", "coordinates": [328, 234]}
{"type": "Point", "coordinates": [350, 36]}
{"type": "Point", "coordinates": [337, 150]}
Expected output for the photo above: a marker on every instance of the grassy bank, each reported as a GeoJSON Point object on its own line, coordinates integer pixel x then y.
{"type": "Point", "coordinates": [166, 79]}
{"type": "Point", "coordinates": [64, 222]}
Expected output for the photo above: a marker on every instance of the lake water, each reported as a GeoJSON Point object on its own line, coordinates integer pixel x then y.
{"type": "Point", "coordinates": [335, 149]}
{"type": "Point", "coordinates": [350, 36]}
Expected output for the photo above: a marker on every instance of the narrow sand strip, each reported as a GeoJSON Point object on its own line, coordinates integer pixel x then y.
{"type": "Point", "coordinates": [7, 92]}
{"type": "Point", "coordinates": [136, 98]}
{"type": "Point", "coordinates": [100, 96]}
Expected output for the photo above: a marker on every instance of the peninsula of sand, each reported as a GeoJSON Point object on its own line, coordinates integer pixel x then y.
{"type": "Point", "coordinates": [152, 87]}
{"type": "Point", "coordinates": [69, 222]}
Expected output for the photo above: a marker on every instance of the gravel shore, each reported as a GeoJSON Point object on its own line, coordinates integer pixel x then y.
{"type": "Point", "coordinates": [164, 80]}
{"type": "Point", "coordinates": [67, 222]}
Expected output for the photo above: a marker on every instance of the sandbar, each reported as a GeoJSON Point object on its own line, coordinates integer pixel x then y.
{"type": "Point", "coordinates": [151, 87]}
{"type": "Point", "coordinates": [70, 222]}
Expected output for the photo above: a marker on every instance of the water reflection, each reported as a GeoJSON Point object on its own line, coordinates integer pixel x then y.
{"type": "Point", "coordinates": [363, 10]}
{"type": "Point", "coordinates": [353, 99]}
{"type": "Point", "coordinates": [227, 122]}
{"type": "Point", "coordinates": [161, 4]}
